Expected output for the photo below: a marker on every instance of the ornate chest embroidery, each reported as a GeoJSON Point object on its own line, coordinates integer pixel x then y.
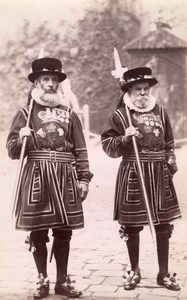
{"type": "Point", "coordinates": [151, 123]}
{"type": "Point", "coordinates": [54, 128]}
{"type": "Point", "coordinates": [150, 130]}
{"type": "Point", "coordinates": [54, 114]}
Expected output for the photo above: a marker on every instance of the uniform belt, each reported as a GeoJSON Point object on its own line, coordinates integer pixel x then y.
{"type": "Point", "coordinates": [146, 156]}
{"type": "Point", "coordinates": [52, 156]}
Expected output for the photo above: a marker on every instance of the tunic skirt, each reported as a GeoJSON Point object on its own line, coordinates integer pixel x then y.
{"type": "Point", "coordinates": [49, 194]}
{"type": "Point", "coordinates": [129, 206]}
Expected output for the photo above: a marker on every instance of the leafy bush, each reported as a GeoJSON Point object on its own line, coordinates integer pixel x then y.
{"type": "Point", "coordinates": [86, 51]}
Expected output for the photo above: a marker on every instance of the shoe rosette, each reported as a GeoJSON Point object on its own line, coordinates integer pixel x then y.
{"type": "Point", "coordinates": [172, 282]}
{"type": "Point", "coordinates": [130, 279]}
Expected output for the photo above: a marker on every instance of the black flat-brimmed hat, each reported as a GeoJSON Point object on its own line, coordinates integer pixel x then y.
{"type": "Point", "coordinates": [137, 75]}
{"type": "Point", "coordinates": [47, 65]}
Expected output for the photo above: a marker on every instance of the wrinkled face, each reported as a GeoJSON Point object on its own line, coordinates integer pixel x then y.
{"type": "Point", "coordinates": [49, 83]}
{"type": "Point", "coordinates": [139, 94]}
{"type": "Point", "coordinates": [47, 86]}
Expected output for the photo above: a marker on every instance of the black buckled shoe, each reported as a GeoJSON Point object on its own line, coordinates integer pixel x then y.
{"type": "Point", "coordinates": [42, 287]}
{"type": "Point", "coordinates": [171, 282]}
{"type": "Point", "coordinates": [67, 289]}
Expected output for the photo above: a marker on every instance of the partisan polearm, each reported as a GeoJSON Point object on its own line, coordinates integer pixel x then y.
{"type": "Point", "coordinates": [140, 173]}
{"type": "Point", "coordinates": [15, 197]}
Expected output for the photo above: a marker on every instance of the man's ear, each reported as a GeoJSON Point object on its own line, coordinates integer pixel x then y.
{"type": "Point", "coordinates": [36, 82]}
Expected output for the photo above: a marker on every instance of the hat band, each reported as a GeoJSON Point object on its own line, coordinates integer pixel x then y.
{"type": "Point", "coordinates": [138, 78]}
{"type": "Point", "coordinates": [48, 70]}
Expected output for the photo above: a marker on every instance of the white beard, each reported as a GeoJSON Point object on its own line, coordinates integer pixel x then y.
{"type": "Point", "coordinates": [127, 100]}
{"type": "Point", "coordinates": [47, 99]}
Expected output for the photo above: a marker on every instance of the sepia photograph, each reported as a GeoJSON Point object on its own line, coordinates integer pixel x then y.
{"type": "Point", "coordinates": [93, 149]}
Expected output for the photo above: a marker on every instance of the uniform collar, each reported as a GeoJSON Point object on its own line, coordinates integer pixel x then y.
{"type": "Point", "coordinates": [131, 106]}
{"type": "Point", "coordinates": [36, 96]}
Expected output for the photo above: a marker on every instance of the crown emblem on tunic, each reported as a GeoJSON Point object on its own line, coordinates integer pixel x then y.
{"type": "Point", "coordinates": [54, 115]}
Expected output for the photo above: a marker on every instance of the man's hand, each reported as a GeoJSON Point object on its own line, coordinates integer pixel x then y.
{"type": "Point", "coordinates": [130, 131]}
{"type": "Point", "coordinates": [84, 189]}
{"type": "Point", "coordinates": [25, 131]}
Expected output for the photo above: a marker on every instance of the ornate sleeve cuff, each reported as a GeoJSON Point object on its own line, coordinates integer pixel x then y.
{"type": "Point", "coordinates": [125, 140]}
{"type": "Point", "coordinates": [86, 177]}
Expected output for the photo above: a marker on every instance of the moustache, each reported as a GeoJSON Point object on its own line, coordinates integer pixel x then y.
{"type": "Point", "coordinates": [139, 98]}
{"type": "Point", "coordinates": [50, 91]}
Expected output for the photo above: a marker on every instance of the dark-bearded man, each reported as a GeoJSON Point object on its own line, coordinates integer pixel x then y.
{"type": "Point", "coordinates": [153, 133]}
{"type": "Point", "coordinates": [55, 177]}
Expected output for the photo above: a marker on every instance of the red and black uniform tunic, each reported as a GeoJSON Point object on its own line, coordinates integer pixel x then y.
{"type": "Point", "coordinates": [156, 148]}
{"type": "Point", "coordinates": [56, 161]}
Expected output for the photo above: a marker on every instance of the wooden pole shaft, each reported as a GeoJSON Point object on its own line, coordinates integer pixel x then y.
{"type": "Point", "coordinates": [142, 182]}
{"type": "Point", "coordinates": [20, 166]}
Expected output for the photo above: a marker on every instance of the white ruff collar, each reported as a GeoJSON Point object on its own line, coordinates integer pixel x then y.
{"type": "Point", "coordinates": [128, 102]}
{"type": "Point", "coordinates": [37, 97]}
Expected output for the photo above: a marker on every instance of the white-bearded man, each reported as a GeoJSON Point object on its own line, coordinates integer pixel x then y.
{"type": "Point", "coordinates": [154, 138]}
{"type": "Point", "coordinates": [56, 175]}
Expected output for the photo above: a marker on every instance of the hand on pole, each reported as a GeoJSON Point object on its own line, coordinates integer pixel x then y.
{"type": "Point", "coordinates": [130, 131]}
{"type": "Point", "coordinates": [25, 131]}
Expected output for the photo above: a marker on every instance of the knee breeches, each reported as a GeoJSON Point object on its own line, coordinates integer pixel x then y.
{"type": "Point", "coordinates": [41, 236]}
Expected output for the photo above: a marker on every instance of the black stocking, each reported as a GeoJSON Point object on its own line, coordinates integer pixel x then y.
{"type": "Point", "coordinates": [133, 251]}
{"type": "Point", "coordinates": [40, 257]}
{"type": "Point", "coordinates": [61, 254]}
{"type": "Point", "coordinates": [162, 251]}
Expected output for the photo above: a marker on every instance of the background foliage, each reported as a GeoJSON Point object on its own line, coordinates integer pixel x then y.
{"type": "Point", "coordinates": [86, 51]}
